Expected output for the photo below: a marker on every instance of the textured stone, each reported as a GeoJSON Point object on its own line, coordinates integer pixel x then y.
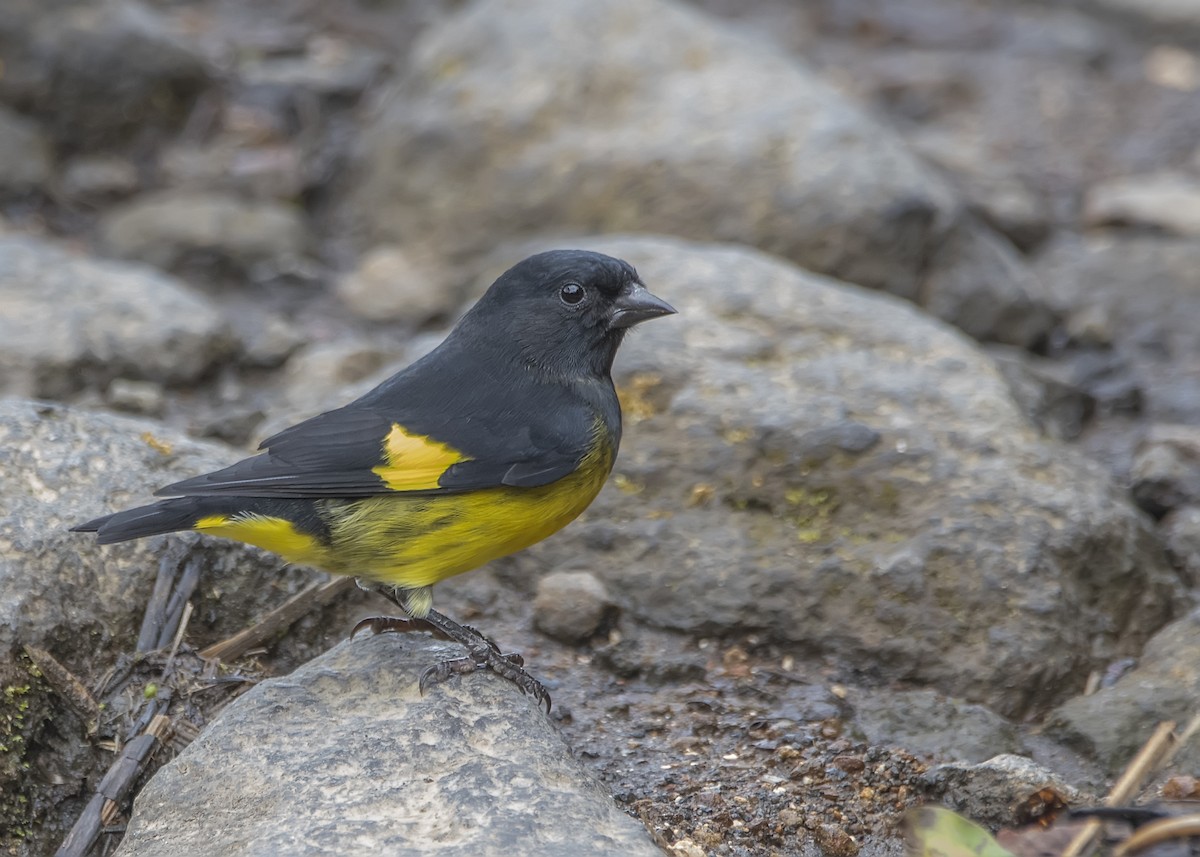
{"type": "Point", "coordinates": [1167, 201]}
{"type": "Point", "coordinates": [571, 605]}
{"type": "Point", "coordinates": [62, 593]}
{"type": "Point", "coordinates": [995, 792]}
{"type": "Point", "coordinates": [24, 153]}
{"type": "Point", "coordinates": [796, 447]}
{"type": "Point", "coordinates": [1113, 723]}
{"type": "Point", "coordinates": [69, 321]}
{"type": "Point", "coordinates": [646, 115]}
{"type": "Point", "coordinates": [166, 228]}
{"type": "Point", "coordinates": [922, 721]}
{"type": "Point", "coordinates": [390, 285]}
{"type": "Point", "coordinates": [344, 753]}
{"type": "Point", "coordinates": [99, 74]}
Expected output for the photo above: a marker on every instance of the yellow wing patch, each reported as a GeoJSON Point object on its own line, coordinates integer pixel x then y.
{"type": "Point", "coordinates": [414, 462]}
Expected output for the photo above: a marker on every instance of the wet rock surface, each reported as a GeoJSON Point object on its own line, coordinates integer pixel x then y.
{"type": "Point", "coordinates": [834, 522]}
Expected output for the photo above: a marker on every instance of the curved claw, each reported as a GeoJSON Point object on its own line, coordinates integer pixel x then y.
{"type": "Point", "coordinates": [508, 666]}
{"type": "Point", "coordinates": [384, 625]}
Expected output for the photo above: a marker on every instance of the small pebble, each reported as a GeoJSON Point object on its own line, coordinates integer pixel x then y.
{"type": "Point", "coordinates": [571, 606]}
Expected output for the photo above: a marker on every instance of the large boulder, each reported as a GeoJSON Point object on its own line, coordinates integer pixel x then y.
{"type": "Point", "coordinates": [832, 469]}
{"type": "Point", "coordinates": [651, 116]}
{"type": "Point", "coordinates": [82, 604]}
{"type": "Point", "coordinates": [68, 322]}
{"type": "Point", "coordinates": [345, 754]}
{"type": "Point", "coordinates": [101, 74]}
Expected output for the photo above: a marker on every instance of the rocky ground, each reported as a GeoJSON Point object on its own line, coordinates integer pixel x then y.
{"type": "Point", "coordinates": [908, 508]}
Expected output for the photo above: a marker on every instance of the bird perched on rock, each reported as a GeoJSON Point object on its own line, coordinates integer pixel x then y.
{"type": "Point", "coordinates": [494, 440]}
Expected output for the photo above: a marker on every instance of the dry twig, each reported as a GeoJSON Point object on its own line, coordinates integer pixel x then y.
{"type": "Point", "coordinates": [1143, 765]}
{"type": "Point", "coordinates": [278, 619]}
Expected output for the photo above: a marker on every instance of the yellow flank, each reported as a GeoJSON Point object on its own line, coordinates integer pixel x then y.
{"type": "Point", "coordinates": [413, 542]}
{"type": "Point", "coordinates": [414, 462]}
{"type": "Point", "coordinates": [274, 534]}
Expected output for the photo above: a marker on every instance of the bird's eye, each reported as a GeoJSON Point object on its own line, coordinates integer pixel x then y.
{"type": "Point", "coordinates": [572, 294]}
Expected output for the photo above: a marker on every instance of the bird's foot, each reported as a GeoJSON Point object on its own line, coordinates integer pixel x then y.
{"type": "Point", "coordinates": [482, 652]}
{"type": "Point", "coordinates": [485, 656]}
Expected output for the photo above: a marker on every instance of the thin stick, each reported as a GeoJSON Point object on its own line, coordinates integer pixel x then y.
{"type": "Point", "coordinates": [278, 619]}
{"type": "Point", "coordinates": [183, 623]}
{"type": "Point", "coordinates": [1139, 768]}
{"type": "Point", "coordinates": [1156, 832]}
{"type": "Point", "coordinates": [105, 803]}
{"type": "Point", "coordinates": [156, 608]}
{"type": "Point", "coordinates": [174, 610]}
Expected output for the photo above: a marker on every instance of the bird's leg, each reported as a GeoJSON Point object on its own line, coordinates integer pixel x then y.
{"type": "Point", "coordinates": [482, 653]}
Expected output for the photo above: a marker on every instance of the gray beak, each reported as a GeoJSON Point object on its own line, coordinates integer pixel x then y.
{"type": "Point", "coordinates": [637, 305]}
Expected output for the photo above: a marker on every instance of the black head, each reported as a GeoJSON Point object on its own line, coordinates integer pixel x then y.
{"type": "Point", "coordinates": [564, 312]}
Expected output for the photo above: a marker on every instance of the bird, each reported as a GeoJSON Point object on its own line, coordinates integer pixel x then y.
{"type": "Point", "coordinates": [493, 441]}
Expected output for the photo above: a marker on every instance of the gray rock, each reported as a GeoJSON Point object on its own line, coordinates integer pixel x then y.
{"type": "Point", "coordinates": [389, 284]}
{"type": "Point", "coordinates": [571, 606]}
{"type": "Point", "coordinates": [1114, 722]}
{"type": "Point", "coordinates": [24, 153]}
{"type": "Point", "coordinates": [1167, 17]}
{"type": "Point", "coordinates": [1166, 469]}
{"type": "Point", "coordinates": [239, 163]}
{"type": "Point", "coordinates": [1155, 326]}
{"type": "Point", "coordinates": [99, 177]}
{"type": "Point", "coordinates": [662, 119]}
{"type": "Point", "coordinates": [1181, 530]}
{"type": "Point", "coordinates": [138, 397]}
{"type": "Point", "coordinates": [345, 754]}
{"type": "Point", "coordinates": [1046, 391]}
{"type": "Point", "coordinates": [1166, 201]}
{"type": "Point", "coordinates": [923, 721]}
{"type": "Point", "coordinates": [68, 321]}
{"type": "Point", "coordinates": [1003, 200]}
{"type": "Point", "coordinates": [331, 68]}
{"type": "Point", "coordinates": [828, 466]}
{"type": "Point", "coordinates": [996, 791]}
{"type": "Point", "coordinates": [168, 228]}
{"type": "Point", "coordinates": [99, 74]}
{"type": "Point", "coordinates": [83, 603]}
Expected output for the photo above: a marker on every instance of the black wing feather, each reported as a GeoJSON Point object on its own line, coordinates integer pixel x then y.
{"type": "Point", "coordinates": [332, 455]}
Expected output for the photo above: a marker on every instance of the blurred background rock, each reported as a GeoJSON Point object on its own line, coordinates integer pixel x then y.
{"type": "Point", "coordinates": [926, 427]}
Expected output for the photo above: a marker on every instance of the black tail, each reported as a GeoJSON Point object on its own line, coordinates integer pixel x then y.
{"type": "Point", "coordinates": [167, 516]}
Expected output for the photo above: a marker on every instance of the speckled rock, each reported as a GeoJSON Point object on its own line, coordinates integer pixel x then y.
{"type": "Point", "coordinates": [833, 469]}
{"type": "Point", "coordinates": [995, 792]}
{"type": "Point", "coordinates": [1114, 722]}
{"type": "Point", "coordinates": [83, 603]}
{"type": "Point", "coordinates": [345, 754]}
{"type": "Point", "coordinates": [662, 119]}
{"type": "Point", "coordinates": [69, 321]}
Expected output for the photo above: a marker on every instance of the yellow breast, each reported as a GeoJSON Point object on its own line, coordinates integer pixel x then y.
{"type": "Point", "coordinates": [416, 541]}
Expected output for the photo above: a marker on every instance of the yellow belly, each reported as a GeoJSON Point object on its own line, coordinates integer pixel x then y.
{"type": "Point", "coordinates": [414, 541]}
